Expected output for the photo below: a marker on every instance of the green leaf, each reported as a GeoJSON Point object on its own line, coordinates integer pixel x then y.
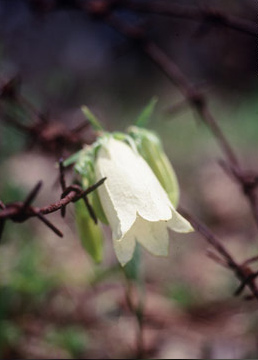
{"type": "Point", "coordinates": [92, 118]}
{"type": "Point", "coordinates": [146, 113]}
{"type": "Point", "coordinates": [90, 233]}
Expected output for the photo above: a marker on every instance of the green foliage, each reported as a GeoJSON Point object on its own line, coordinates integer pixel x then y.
{"type": "Point", "coordinates": [183, 295]}
{"type": "Point", "coordinates": [27, 278]}
{"type": "Point", "coordinates": [90, 233]}
{"type": "Point", "coordinates": [10, 334]}
{"type": "Point", "coordinates": [72, 338]}
{"type": "Point", "coordinates": [23, 288]}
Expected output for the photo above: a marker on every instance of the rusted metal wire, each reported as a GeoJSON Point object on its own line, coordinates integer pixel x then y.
{"type": "Point", "coordinates": [22, 211]}
{"type": "Point", "coordinates": [102, 10]}
{"type": "Point", "coordinates": [242, 272]}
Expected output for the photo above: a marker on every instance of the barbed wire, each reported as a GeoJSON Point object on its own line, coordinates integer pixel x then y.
{"type": "Point", "coordinates": [20, 212]}
{"type": "Point", "coordinates": [103, 11]}
{"type": "Point", "coordinates": [42, 131]}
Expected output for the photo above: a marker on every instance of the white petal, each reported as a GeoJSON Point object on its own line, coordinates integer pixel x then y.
{"type": "Point", "coordinates": [130, 187]}
{"type": "Point", "coordinates": [124, 248]}
{"type": "Point", "coordinates": [157, 204]}
{"type": "Point", "coordinates": [153, 236]}
{"type": "Point", "coordinates": [179, 224]}
{"type": "Point", "coordinates": [134, 202]}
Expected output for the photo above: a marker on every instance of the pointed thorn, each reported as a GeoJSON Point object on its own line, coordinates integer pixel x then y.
{"type": "Point", "coordinates": [63, 211]}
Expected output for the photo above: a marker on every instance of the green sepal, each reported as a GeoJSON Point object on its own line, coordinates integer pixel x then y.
{"type": "Point", "coordinates": [146, 113]}
{"type": "Point", "coordinates": [94, 121]}
{"type": "Point", "coordinates": [90, 233]}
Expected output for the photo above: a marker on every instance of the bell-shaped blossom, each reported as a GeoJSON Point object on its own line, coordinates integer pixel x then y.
{"type": "Point", "coordinates": [135, 204]}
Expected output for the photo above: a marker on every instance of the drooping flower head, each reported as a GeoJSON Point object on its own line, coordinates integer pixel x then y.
{"type": "Point", "coordinates": [136, 205]}
{"type": "Point", "coordinates": [139, 197]}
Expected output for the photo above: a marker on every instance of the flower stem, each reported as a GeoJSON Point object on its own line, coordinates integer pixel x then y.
{"type": "Point", "coordinates": [138, 311]}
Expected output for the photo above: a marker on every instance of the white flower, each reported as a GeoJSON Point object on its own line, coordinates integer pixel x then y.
{"type": "Point", "coordinates": [134, 202]}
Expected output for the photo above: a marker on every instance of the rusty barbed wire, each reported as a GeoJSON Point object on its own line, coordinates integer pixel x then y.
{"type": "Point", "coordinates": [103, 10]}
{"type": "Point", "coordinates": [195, 97]}
{"type": "Point", "coordinates": [42, 131]}
{"type": "Point", "coordinates": [20, 212]}
{"type": "Point", "coordinates": [242, 271]}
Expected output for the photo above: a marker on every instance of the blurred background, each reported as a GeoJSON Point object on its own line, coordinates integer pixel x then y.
{"type": "Point", "coordinates": [54, 301]}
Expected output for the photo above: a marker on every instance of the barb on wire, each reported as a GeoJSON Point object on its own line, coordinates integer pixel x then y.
{"type": "Point", "coordinates": [22, 211]}
{"type": "Point", "coordinates": [249, 280]}
{"type": "Point", "coordinates": [250, 261]}
{"type": "Point", "coordinates": [33, 194]}
{"type": "Point", "coordinates": [62, 182]}
{"type": "Point", "coordinates": [248, 182]}
{"type": "Point", "coordinates": [48, 134]}
{"type": "Point", "coordinates": [242, 272]}
{"type": "Point", "coordinates": [51, 136]}
{"type": "Point", "coordinates": [195, 98]}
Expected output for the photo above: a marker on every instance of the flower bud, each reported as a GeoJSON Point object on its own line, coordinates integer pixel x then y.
{"type": "Point", "coordinates": [90, 233]}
